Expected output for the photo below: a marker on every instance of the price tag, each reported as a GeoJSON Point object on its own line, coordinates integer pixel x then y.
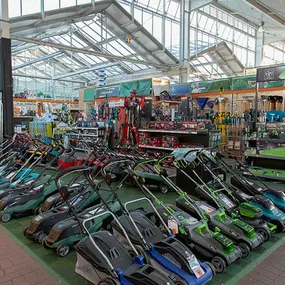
{"type": "Point", "coordinates": [173, 226]}
{"type": "Point", "coordinates": [195, 265]}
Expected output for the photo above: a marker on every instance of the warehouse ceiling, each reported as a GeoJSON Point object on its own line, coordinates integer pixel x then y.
{"type": "Point", "coordinates": [73, 43]}
{"type": "Point", "coordinates": [267, 13]}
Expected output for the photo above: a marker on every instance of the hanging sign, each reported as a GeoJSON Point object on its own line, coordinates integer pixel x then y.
{"type": "Point", "coordinates": [270, 73]}
{"type": "Point", "coordinates": [179, 89]}
{"type": "Point", "coordinates": [109, 91]}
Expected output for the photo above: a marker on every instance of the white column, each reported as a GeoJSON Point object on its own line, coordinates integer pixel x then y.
{"type": "Point", "coordinates": [184, 39]}
{"type": "Point", "coordinates": [4, 22]}
{"type": "Point", "coordinates": [163, 23]}
{"type": "Point", "coordinates": [259, 51]}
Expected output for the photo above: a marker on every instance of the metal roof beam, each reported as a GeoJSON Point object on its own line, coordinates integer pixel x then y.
{"type": "Point", "coordinates": [126, 33]}
{"type": "Point", "coordinates": [36, 60]}
{"type": "Point", "coordinates": [95, 47]}
{"type": "Point", "coordinates": [266, 10]}
{"type": "Point", "coordinates": [92, 68]}
{"type": "Point", "coordinates": [237, 16]}
{"type": "Point", "coordinates": [47, 78]}
{"type": "Point", "coordinates": [85, 51]}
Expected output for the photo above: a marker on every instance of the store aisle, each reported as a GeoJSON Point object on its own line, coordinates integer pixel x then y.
{"type": "Point", "coordinates": [17, 268]}
{"type": "Point", "coordinates": [269, 271]}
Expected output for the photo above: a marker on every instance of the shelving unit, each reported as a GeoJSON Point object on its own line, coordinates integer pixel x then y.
{"type": "Point", "coordinates": [198, 132]}
{"type": "Point", "coordinates": [163, 140]}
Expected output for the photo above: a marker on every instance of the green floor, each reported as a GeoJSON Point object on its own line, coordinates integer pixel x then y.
{"type": "Point", "coordinates": [63, 268]}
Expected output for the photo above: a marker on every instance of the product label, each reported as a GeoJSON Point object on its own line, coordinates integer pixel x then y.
{"type": "Point", "coordinates": [173, 226]}
{"type": "Point", "coordinates": [195, 265]}
{"type": "Point", "coordinates": [206, 209]}
{"type": "Point", "coordinates": [227, 201]}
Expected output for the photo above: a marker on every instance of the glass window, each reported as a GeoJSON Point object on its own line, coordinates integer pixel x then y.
{"type": "Point", "coordinates": [67, 3]}
{"type": "Point", "coordinates": [269, 51]}
{"type": "Point", "coordinates": [30, 6]}
{"type": "Point", "coordinates": [209, 25]}
{"type": "Point", "coordinates": [138, 15]}
{"type": "Point", "coordinates": [143, 2]}
{"type": "Point", "coordinates": [51, 5]}
{"type": "Point", "coordinates": [14, 8]}
{"type": "Point", "coordinates": [168, 34]}
{"type": "Point", "coordinates": [154, 4]}
{"type": "Point", "coordinates": [172, 9]}
{"type": "Point", "coordinates": [147, 21]}
{"type": "Point", "coordinates": [126, 7]}
{"type": "Point", "coordinates": [157, 23]}
{"type": "Point", "coordinates": [79, 2]}
{"type": "Point", "coordinates": [175, 34]}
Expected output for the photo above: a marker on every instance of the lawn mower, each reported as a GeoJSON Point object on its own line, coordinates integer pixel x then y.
{"type": "Point", "coordinates": [41, 225]}
{"type": "Point", "coordinates": [102, 259]}
{"type": "Point", "coordinates": [195, 233]}
{"type": "Point", "coordinates": [81, 196]}
{"type": "Point", "coordinates": [25, 202]}
{"type": "Point", "coordinates": [164, 251]}
{"type": "Point", "coordinates": [218, 191]}
{"type": "Point", "coordinates": [40, 178]}
{"type": "Point", "coordinates": [240, 232]}
{"type": "Point", "coordinates": [66, 233]}
{"type": "Point", "coordinates": [23, 175]}
{"type": "Point", "coordinates": [247, 190]}
{"type": "Point", "coordinates": [56, 200]}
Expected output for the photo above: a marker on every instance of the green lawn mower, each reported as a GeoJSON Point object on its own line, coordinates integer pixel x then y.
{"type": "Point", "coordinates": [209, 246]}
{"type": "Point", "coordinates": [240, 232]}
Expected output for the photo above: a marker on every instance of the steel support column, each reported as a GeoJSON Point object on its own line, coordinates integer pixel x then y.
{"type": "Point", "coordinates": [6, 70]}
{"type": "Point", "coordinates": [259, 51]}
{"type": "Point", "coordinates": [184, 56]}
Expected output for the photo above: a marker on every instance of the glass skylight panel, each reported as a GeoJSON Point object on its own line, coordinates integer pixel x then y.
{"type": "Point", "coordinates": [126, 6]}
{"type": "Point", "coordinates": [67, 3]}
{"type": "Point", "coordinates": [113, 51]}
{"type": "Point", "coordinates": [77, 42]}
{"type": "Point", "coordinates": [147, 21]}
{"type": "Point", "coordinates": [121, 48]}
{"type": "Point", "coordinates": [79, 2]}
{"type": "Point", "coordinates": [144, 2]}
{"type": "Point", "coordinates": [91, 33]}
{"type": "Point", "coordinates": [14, 8]}
{"type": "Point", "coordinates": [50, 5]}
{"type": "Point", "coordinates": [138, 15]}
{"type": "Point", "coordinates": [157, 23]}
{"type": "Point", "coordinates": [173, 9]}
{"type": "Point", "coordinates": [30, 6]}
